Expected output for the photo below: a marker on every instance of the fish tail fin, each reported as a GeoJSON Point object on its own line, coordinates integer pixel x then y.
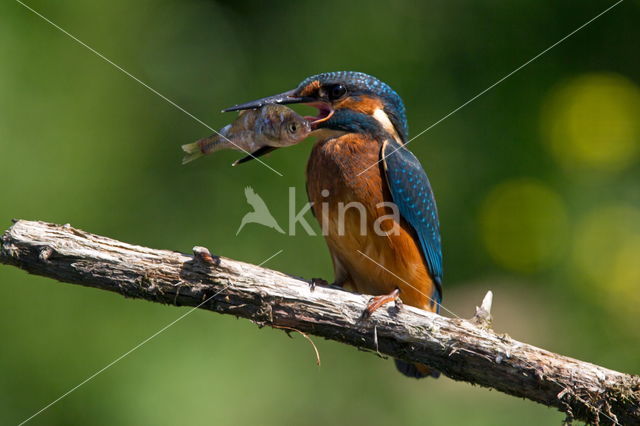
{"type": "Point", "coordinates": [205, 146]}
{"type": "Point", "coordinates": [193, 150]}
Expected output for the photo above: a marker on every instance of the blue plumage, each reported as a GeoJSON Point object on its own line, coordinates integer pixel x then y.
{"type": "Point", "coordinates": [353, 122]}
{"type": "Point", "coordinates": [349, 105]}
{"type": "Point", "coordinates": [359, 82]}
{"type": "Point", "coordinates": [411, 192]}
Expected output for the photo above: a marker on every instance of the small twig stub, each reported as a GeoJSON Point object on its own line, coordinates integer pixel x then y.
{"type": "Point", "coordinates": [457, 348]}
{"type": "Point", "coordinates": [483, 318]}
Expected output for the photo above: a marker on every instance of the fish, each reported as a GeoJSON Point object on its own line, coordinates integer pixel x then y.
{"type": "Point", "coordinates": [262, 129]}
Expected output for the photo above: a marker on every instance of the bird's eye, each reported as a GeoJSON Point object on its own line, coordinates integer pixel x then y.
{"type": "Point", "coordinates": [337, 91]}
{"type": "Point", "coordinates": [293, 127]}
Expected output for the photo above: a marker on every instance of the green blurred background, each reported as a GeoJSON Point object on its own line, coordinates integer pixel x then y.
{"type": "Point", "coordinates": [536, 182]}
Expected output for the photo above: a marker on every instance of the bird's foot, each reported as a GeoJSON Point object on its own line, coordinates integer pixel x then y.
{"type": "Point", "coordinates": [377, 302]}
{"type": "Point", "coordinates": [317, 281]}
{"type": "Point", "coordinates": [204, 255]}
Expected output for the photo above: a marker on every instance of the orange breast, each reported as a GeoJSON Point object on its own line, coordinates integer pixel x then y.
{"type": "Point", "coordinates": [350, 211]}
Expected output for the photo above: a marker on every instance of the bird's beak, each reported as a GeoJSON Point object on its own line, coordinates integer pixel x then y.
{"type": "Point", "coordinates": [325, 110]}
{"type": "Point", "coordinates": [281, 99]}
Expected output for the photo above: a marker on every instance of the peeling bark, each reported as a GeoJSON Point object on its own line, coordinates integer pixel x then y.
{"type": "Point", "coordinates": [462, 350]}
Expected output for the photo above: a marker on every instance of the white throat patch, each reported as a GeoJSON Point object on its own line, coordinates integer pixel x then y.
{"type": "Point", "coordinates": [384, 120]}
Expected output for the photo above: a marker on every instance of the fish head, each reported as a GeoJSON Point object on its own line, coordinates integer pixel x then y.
{"type": "Point", "coordinates": [346, 101]}
{"type": "Point", "coordinates": [293, 128]}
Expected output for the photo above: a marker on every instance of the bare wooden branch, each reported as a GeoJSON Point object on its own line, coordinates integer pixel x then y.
{"type": "Point", "coordinates": [458, 348]}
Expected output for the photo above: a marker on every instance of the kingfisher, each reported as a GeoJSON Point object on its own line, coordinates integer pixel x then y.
{"type": "Point", "coordinates": [370, 193]}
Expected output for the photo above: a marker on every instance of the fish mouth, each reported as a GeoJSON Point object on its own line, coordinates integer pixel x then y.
{"type": "Point", "coordinates": [325, 112]}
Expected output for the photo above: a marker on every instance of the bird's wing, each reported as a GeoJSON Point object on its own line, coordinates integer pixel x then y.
{"type": "Point", "coordinates": [411, 192]}
{"type": "Point", "coordinates": [255, 200]}
{"type": "Point", "coordinates": [251, 196]}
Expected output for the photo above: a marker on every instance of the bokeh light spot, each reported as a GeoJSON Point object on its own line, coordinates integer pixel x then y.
{"type": "Point", "coordinates": [524, 225]}
{"type": "Point", "coordinates": [607, 254]}
{"type": "Point", "coordinates": [592, 122]}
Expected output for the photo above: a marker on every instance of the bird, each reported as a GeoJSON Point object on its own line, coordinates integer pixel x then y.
{"type": "Point", "coordinates": [260, 213]}
{"type": "Point", "coordinates": [361, 157]}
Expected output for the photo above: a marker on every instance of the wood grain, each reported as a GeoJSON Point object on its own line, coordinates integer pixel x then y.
{"type": "Point", "coordinates": [460, 349]}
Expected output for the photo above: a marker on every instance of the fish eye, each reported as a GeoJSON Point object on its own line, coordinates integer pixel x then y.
{"type": "Point", "coordinates": [337, 91]}
{"type": "Point", "coordinates": [293, 127]}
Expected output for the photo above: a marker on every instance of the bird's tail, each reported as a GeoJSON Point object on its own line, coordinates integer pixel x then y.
{"type": "Point", "coordinates": [416, 371]}
{"type": "Point", "coordinates": [193, 150]}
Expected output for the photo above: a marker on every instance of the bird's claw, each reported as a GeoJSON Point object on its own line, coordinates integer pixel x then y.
{"type": "Point", "coordinates": [376, 302]}
{"type": "Point", "coordinates": [399, 304]}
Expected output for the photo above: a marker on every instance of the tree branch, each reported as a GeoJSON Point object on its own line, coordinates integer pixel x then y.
{"type": "Point", "coordinates": [460, 349]}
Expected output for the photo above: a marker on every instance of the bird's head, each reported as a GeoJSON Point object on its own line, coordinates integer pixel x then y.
{"type": "Point", "coordinates": [347, 101]}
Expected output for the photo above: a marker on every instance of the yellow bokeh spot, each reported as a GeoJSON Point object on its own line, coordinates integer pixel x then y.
{"type": "Point", "coordinates": [607, 254]}
{"type": "Point", "coordinates": [524, 225]}
{"type": "Point", "coordinates": [593, 122]}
